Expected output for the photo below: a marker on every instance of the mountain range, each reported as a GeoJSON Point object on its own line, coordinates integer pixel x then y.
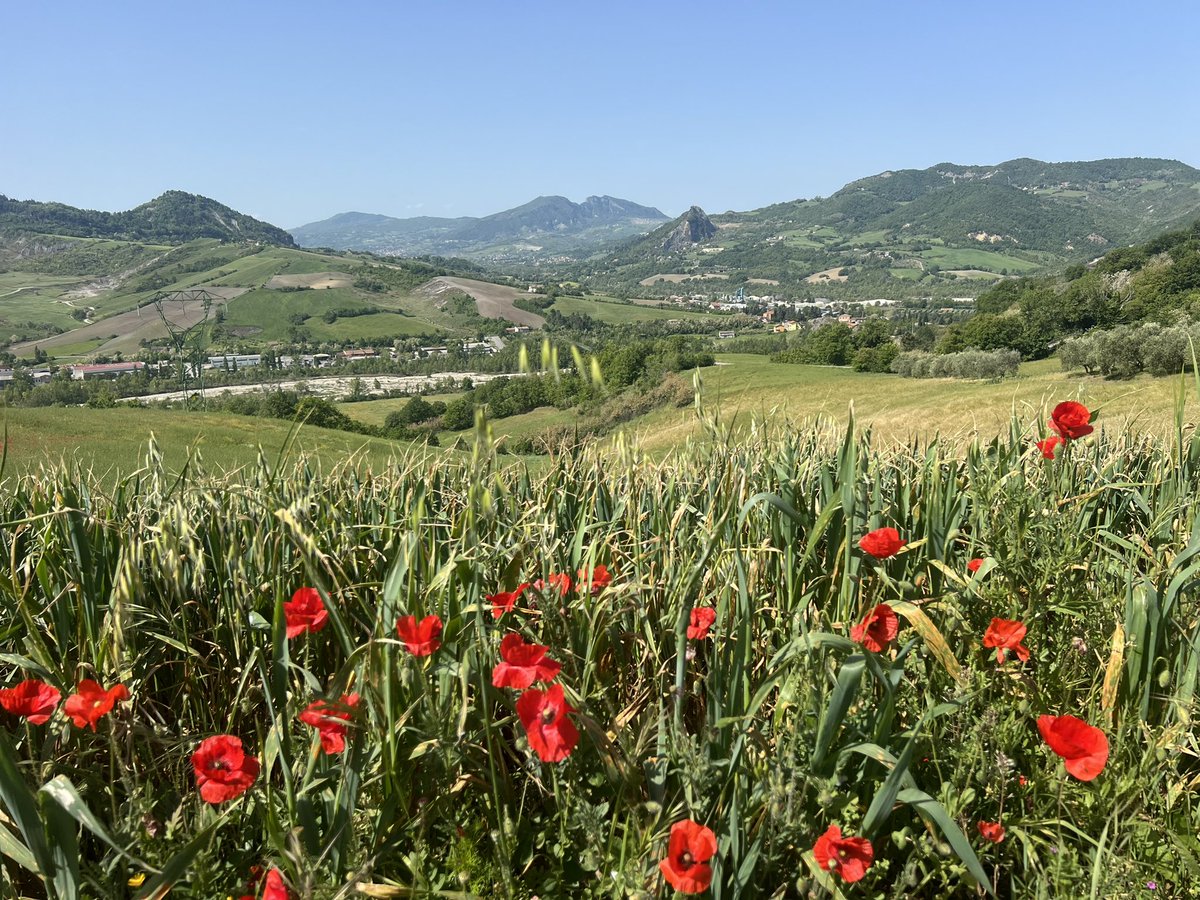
{"type": "Point", "coordinates": [542, 227]}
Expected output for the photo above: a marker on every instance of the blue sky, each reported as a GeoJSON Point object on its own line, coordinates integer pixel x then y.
{"type": "Point", "coordinates": [295, 111]}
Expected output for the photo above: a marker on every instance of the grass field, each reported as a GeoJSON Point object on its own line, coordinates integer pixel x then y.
{"type": "Point", "coordinates": [968, 258]}
{"type": "Point", "coordinates": [374, 412]}
{"type": "Point", "coordinates": [743, 388]}
{"type": "Point", "coordinates": [115, 440]}
{"type": "Point", "coordinates": [614, 313]}
{"type": "Point", "coordinates": [898, 409]}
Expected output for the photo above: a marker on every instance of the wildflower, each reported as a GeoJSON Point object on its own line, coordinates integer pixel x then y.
{"type": "Point", "coordinates": [882, 543]}
{"type": "Point", "coordinates": [330, 720]}
{"type": "Point", "coordinates": [32, 700]}
{"type": "Point", "coordinates": [1004, 634]}
{"type": "Point", "coordinates": [522, 664]}
{"type": "Point", "coordinates": [275, 889]}
{"type": "Point", "coordinates": [850, 857]}
{"type": "Point", "coordinates": [504, 601]}
{"type": "Point", "coordinates": [1070, 419]}
{"type": "Point", "coordinates": [596, 580]}
{"type": "Point", "coordinates": [877, 630]}
{"type": "Point", "coordinates": [420, 638]}
{"type": "Point", "coordinates": [700, 620]}
{"type": "Point", "coordinates": [1049, 445]}
{"type": "Point", "coordinates": [544, 715]}
{"type": "Point", "coordinates": [992, 831]}
{"type": "Point", "coordinates": [975, 565]}
{"type": "Point", "coordinates": [1083, 747]}
{"type": "Point", "coordinates": [1079, 644]}
{"type": "Point", "coordinates": [91, 701]}
{"type": "Point", "coordinates": [686, 867]}
{"type": "Point", "coordinates": [223, 769]}
{"type": "Point", "coordinates": [560, 581]}
{"type": "Point", "coordinates": [304, 612]}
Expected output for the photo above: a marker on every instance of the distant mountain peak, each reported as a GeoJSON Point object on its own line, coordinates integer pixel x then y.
{"type": "Point", "coordinates": [547, 223]}
{"type": "Point", "coordinates": [694, 227]}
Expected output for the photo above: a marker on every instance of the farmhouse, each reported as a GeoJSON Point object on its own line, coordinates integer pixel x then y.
{"type": "Point", "coordinates": [105, 370]}
{"type": "Point", "coordinates": [353, 354]}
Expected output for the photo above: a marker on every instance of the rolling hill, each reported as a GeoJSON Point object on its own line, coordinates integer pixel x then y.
{"type": "Point", "coordinates": [172, 218]}
{"type": "Point", "coordinates": [544, 226]}
{"type": "Point", "coordinates": [940, 230]}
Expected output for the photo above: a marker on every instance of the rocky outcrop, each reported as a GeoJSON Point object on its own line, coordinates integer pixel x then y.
{"type": "Point", "coordinates": [694, 227]}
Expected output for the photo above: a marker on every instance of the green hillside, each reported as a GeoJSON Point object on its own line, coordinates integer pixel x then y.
{"type": "Point", "coordinates": [933, 232]}
{"type": "Point", "coordinates": [172, 218]}
{"type": "Point", "coordinates": [73, 297]}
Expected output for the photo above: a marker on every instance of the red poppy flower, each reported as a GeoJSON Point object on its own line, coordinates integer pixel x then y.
{"type": "Point", "coordinates": [1083, 747]}
{"type": "Point", "coordinates": [992, 831]}
{"type": "Point", "coordinates": [1049, 445]}
{"type": "Point", "coordinates": [1070, 419]}
{"type": "Point", "coordinates": [275, 889]}
{"type": "Point", "coordinates": [974, 565]}
{"type": "Point", "coordinates": [877, 630]}
{"type": "Point", "coordinates": [701, 619]}
{"type": "Point", "coordinates": [504, 601]}
{"type": "Point", "coordinates": [522, 664]}
{"type": "Point", "coordinates": [92, 701]}
{"type": "Point", "coordinates": [223, 769]}
{"type": "Point", "coordinates": [32, 700]}
{"type": "Point", "coordinates": [686, 867]}
{"type": "Point", "coordinates": [596, 580]}
{"type": "Point", "coordinates": [304, 612]}
{"type": "Point", "coordinates": [330, 720]}
{"type": "Point", "coordinates": [1005, 634]}
{"type": "Point", "coordinates": [850, 857]}
{"type": "Point", "coordinates": [560, 581]}
{"type": "Point", "coordinates": [544, 715]}
{"type": "Point", "coordinates": [420, 638]}
{"type": "Point", "coordinates": [882, 543]}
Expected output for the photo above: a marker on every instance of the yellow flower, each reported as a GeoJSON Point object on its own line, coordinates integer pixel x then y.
{"type": "Point", "coordinates": [137, 880]}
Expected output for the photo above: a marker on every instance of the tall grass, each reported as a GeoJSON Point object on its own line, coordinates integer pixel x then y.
{"type": "Point", "coordinates": [768, 731]}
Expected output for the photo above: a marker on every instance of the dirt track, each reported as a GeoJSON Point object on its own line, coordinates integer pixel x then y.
{"type": "Point", "coordinates": [495, 301]}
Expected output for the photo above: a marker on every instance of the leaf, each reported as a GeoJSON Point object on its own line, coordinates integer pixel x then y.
{"type": "Point", "coordinates": [929, 808]}
{"type": "Point", "coordinates": [178, 865]}
{"type": "Point", "coordinates": [848, 681]}
{"type": "Point", "coordinates": [65, 794]}
{"type": "Point", "coordinates": [1112, 674]}
{"type": "Point", "coordinates": [933, 639]}
{"type": "Point", "coordinates": [21, 804]}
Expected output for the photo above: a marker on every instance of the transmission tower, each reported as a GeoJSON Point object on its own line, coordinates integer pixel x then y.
{"type": "Point", "coordinates": [187, 333]}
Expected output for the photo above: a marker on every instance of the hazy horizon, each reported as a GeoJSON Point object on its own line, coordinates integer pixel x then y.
{"type": "Point", "coordinates": [293, 113]}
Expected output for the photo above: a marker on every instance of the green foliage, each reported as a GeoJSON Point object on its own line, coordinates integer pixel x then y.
{"type": "Point", "coordinates": [829, 345]}
{"type": "Point", "coordinates": [985, 365]}
{"type": "Point", "coordinates": [769, 730]}
{"type": "Point", "coordinates": [1127, 350]}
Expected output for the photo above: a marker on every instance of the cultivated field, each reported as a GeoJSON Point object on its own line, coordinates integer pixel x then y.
{"type": "Point", "coordinates": [615, 313]}
{"type": "Point", "coordinates": [827, 275]}
{"type": "Point", "coordinates": [435, 676]}
{"type": "Point", "coordinates": [677, 278]}
{"type": "Point", "coordinates": [495, 301]}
